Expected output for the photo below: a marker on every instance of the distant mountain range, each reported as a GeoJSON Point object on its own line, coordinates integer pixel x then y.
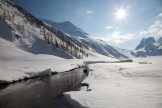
{"type": "Point", "coordinates": [149, 47]}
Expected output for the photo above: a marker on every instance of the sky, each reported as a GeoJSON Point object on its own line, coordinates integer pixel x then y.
{"type": "Point", "coordinates": [122, 23]}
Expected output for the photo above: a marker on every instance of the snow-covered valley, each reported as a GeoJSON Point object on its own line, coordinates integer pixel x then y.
{"type": "Point", "coordinates": [121, 85]}
{"type": "Point", "coordinates": [31, 48]}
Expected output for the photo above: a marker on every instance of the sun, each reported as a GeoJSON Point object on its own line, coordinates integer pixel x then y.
{"type": "Point", "coordinates": [121, 14]}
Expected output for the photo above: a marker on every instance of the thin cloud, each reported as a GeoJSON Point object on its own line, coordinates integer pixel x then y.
{"type": "Point", "coordinates": [160, 33]}
{"type": "Point", "coordinates": [119, 38]}
{"type": "Point", "coordinates": [160, 14]}
{"type": "Point", "coordinates": [112, 28]}
{"type": "Point", "coordinates": [89, 14]}
{"type": "Point", "coordinates": [154, 30]}
{"type": "Point", "coordinates": [89, 11]}
{"type": "Point", "coordinates": [109, 27]}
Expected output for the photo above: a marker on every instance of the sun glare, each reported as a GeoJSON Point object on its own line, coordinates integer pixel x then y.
{"type": "Point", "coordinates": [121, 14]}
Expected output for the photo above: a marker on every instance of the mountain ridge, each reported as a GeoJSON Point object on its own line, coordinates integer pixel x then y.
{"type": "Point", "coordinates": [30, 34]}
{"type": "Point", "coordinates": [67, 27]}
{"type": "Point", "coordinates": [91, 43]}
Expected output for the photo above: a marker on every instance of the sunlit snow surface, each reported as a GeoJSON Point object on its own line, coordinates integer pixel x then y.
{"type": "Point", "coordinates": [17, 64]}
{"type": "Point", "coordinates": [122, 85]}
{"type": "Point", "coordinates": [111, 85]}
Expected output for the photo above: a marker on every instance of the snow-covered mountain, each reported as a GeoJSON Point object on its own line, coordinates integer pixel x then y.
{"type": "Point", "coordinates": [28, 33]}
{"type": "Point", "coordinates": [149, 47]}
{"type": "Point", "coordinates": [67, 27]}
{"type": "Point", "coordinates": [79, 36]}
{"type": "Point", "coordinates": [60, 39]}
{"type": "Point", "coordinates": [146, 43]}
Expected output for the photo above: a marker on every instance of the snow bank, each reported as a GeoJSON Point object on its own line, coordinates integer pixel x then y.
{"type": "Point", "coordinates": [18, 69]}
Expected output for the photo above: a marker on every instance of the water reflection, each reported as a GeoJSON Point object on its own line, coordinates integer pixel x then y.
{"type": "Point", "coordinates": [40, 92]}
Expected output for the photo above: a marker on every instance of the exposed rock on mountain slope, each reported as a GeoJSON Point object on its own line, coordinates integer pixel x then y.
{"type": "Point", "coordinates": [146, 43]}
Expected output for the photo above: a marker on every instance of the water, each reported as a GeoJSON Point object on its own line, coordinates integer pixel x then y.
{"type": "Point", "coordinates": [41, 92]}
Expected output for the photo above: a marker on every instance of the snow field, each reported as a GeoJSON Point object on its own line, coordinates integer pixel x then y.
{"type": "Point", "coordinates": [122, 85]}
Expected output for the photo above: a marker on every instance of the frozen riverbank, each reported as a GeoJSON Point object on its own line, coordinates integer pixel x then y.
{"type": "Point", "coordinates": [33, 66]}
{"type": "Point", "coordinates": [43, 92]}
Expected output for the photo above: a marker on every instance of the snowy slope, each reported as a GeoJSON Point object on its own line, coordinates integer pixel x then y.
{"type": "Point", "coordinates": [28, 49]}
{"type": "Point", "coordinates": [17, 64]}
{"type": "Point", "coordinates": [8, 50]}
{"type": "Point", "coordinates": [29, 33]}
{"type": "Point", "coordinates": [88, 42]}
{"type": "Point", "coordinates": [149, 47]}
{"type": "Point", "coordinates": [104, 48]}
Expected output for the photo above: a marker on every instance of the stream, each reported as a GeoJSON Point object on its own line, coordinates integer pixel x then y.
{"type": "Point", "coordinates": [43, 92]}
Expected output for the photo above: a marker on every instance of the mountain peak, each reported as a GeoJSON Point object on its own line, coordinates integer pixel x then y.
{"type": "Point", "coordinates": [145, 42]}
{"type": "Point", "coordinates": [150, 39]}
{"type": "Point", "coordinates": [67, 27]}
{"type": "Point", "coordinates": [66, 22]}
{"type": "Point", "coordinates": [149, 47]}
